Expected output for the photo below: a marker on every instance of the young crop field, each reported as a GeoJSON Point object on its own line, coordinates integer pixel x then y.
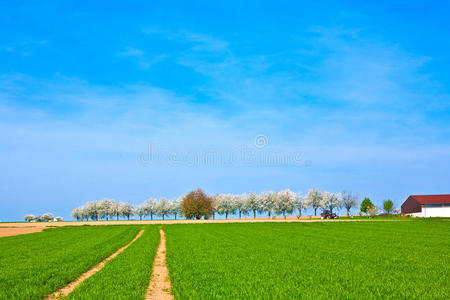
{"type": "Point", "coordinates": [35, 265]}
{"type": "Point", "coordinates": [383, 259]}
{"type": "Point", "coordinates": [397, 259]}
{"type": "Point", "coordinates": [125, 277]}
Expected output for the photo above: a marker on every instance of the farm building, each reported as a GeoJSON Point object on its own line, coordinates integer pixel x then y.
{"type": "Point", "coordinates": [427, 206]}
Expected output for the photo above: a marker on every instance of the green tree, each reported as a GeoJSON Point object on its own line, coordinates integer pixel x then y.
{"type": "Point", "coordinates": [366, 204]}
{"type": "Point", "coordinates": [388, 205]}
{"type": "Point", "coordinates": [196, 205]}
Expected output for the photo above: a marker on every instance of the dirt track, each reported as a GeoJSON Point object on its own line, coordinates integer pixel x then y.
{"type": "Point", "coordinates": [148, 222]}
{"type": "Point", "coordinates": [9, 229]}
{"type": "Point", "coordinates": [159, 286]}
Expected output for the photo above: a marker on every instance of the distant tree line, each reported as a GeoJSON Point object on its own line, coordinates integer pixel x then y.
{"type": "Point", "coordinates": [42, 218]}
{"type": "Point", "coordinates": [108, 209]}
{"type": "Point", "coordinates": [197, 204]}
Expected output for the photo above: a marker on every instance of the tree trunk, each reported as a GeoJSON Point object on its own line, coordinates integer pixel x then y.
{"type": "Point", "coordinates": [128, 217]}
{"type": "Point", "coordinates": [226, 216]}
{"type": "Point", "coordinates": [315, 211]}
{"type": "Point", "coordinates": [284, 214]}
{"type": "Point", "coordinates": [151, 216]}
{"type": "Point", "coordinates": [140, 218]}
{"type": "Point", "coordinates": [214, 215]}
{"type": "Point", "coordinates": [175, 214]}
{"type": "Point", "coordinates": [254, 214]}
{"type": "Point", "coordinates": [348, 212]}
{"type": "Point", "coordinates": [299, 212]}
{"type": "Point", "coordinates": [163, 217]}
{"type": "Point", "coordinates": [269, 212]}
{"type": "Point", "coordinates": [240, 214]}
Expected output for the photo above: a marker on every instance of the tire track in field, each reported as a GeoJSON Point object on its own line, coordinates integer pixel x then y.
{"type": "Point", "coordinates": [65, 291]}
{"type": "Point", "coordinates": [159, 286]}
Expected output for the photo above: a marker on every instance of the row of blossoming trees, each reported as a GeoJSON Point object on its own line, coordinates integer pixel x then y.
{"type": "Point", "coordinates": [268, 203]}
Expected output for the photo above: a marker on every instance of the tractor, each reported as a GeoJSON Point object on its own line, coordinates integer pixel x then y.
{"type": "Point", "coordinates": [327, 214]}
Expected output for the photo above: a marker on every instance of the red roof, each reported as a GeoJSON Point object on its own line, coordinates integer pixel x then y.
{"type": "Point", "coordinates": [431, 199]}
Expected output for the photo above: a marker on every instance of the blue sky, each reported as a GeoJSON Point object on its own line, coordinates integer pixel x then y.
{"type": "Point", "coordinates": [359, 93]}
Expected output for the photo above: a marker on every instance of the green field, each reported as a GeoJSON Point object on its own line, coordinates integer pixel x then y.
{"type": "Point", "coordinates": [33, 266]}
{"type": "Point", "coordinates": [126, 276]}
{"type": "Point", "coordinates": [403, 259]}
{"type": "Point", "coordinates": [383, 259]}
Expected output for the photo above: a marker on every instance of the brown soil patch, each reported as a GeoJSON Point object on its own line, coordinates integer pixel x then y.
{"type": "Point", "coordinates": [10, 231]}
{"type": "Point", "coordinates": [159, 287]}
{"type": "Point", "coordinates": [148, 222]}
{"type": "Point", "coordinates": [63, 292]}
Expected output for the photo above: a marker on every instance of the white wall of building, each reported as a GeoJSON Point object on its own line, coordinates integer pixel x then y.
{"type": "Point", "coordinates": [443, 211]}
{"type": "Point", "coordinates": [417, 214]}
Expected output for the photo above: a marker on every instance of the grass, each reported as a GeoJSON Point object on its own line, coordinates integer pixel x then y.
{"type": "Point", "coordinates": [33, 266]}
{"type": "Point", "coordinates": [125, 277]}
{"type": "Point", "coordinates": [310, 260]}
{"type": "Point", "coordinates": [390, 217]}
{"type": "Point", "coordinates": [378, 217]}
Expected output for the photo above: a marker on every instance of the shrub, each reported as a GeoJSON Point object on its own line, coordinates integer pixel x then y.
{"type": "Point", "coordinates": [366, 204]}
{"type": "Point", "coordinates": [197, 204]}
{"type": "Point", "coordinates": [388, 206]}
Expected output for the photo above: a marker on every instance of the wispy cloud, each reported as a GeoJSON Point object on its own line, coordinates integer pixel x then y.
{"type": "Point", "coordinates": [196, 41]}
{"type": "Point", "coordinates": [24, 47]}
{"type": "Point", "coordinates": [338, 86]}
{"type": "Point", "coordinates": [143, 60]}
{"type": "Point", "coordinates": [354, 104]}
{"type": "Point", "coordinates": [105, 128]}
{"type": "Point", "coordinates": [130, 51]}
{"type": "Point", "coordinates": [205, 42]}
{"type": "Point", "coordinates": [366, 71]}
